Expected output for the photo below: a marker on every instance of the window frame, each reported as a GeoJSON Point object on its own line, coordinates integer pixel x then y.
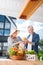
{"type": "Point", "coordinates": [4, 22]}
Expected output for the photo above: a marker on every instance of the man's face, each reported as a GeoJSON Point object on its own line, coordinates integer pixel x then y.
{"type": "Point", "coordinates": [30, 30]}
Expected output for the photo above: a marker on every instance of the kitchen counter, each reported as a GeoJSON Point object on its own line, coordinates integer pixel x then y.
{"type": "Point", "coordinates": [19, 62]}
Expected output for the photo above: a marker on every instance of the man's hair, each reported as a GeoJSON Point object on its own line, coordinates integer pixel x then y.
{"type": "Point", "coordinates": [30, 26]}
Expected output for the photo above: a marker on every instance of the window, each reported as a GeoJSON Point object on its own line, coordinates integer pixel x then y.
{"type": "Point", "coordinates": [1, 32]}
{"type": "Point", "coordinates": [7, 25]}
{"type": "Point", "coordinates": [4, 26]}
{"type": "Point", "coordinates": [1, 24]}
{"type": "Point", "coordinates": [6, 32]}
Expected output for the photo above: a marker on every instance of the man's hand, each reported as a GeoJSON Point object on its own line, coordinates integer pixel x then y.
{"type": "Point", "coordinates": [27, 41]}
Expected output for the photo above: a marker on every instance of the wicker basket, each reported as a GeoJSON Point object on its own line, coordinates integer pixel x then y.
{"type": "Point", "coordinates": [16, 57]}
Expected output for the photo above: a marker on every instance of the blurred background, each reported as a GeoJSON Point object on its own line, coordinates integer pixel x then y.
{"type": "Point", "coordinates": [8, 24]}
{"type": "Point", "coordinates": [20, 14]}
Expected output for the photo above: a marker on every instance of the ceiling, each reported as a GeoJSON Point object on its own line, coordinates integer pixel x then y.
{"type": "Point", "coordinates": [12, 7]}
{"type": "Point", "coordinates": [38, 15]}
{"type": "Point", "coordinates": [30, 8]}
{"type": "Point", "coordinates": [16, 8]}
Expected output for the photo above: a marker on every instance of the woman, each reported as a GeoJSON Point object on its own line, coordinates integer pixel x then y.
{"type": "Point", "coordinates": [13, 40]}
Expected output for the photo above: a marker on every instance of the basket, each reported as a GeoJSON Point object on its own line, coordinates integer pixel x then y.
{"type": "Point", "coordinates": [16, 57]}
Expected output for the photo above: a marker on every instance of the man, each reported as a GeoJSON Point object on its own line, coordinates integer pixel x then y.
{"type": "Point", "coordinates": [32, 39]}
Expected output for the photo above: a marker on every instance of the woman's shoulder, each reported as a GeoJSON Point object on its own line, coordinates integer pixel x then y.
{"type": "Point", "coordinates": [9, 38]}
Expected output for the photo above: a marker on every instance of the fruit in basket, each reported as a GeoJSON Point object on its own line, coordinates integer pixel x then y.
{"type": "Point", "coordinates": [15, 49]}
{"type": "Point", "coordinates": [11, 51]}
{"type": "Point", "coordinates": [20, 52]}
{"type": "Point", "coordinates": [16, 53]}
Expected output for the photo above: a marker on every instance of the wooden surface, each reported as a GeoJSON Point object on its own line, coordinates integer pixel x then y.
{"type": "Point", "coordinates": [30, 8]}
{"type": "Point", "coordinates": [19, 62]}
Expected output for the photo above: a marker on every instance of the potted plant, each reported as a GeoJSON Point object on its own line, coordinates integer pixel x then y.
{"type": "Point", "coordinates": [41, 55]}
{"type": "Point", "coordinates": [16, 53]}
{"type": "Point", "coordinates": [31, 55]}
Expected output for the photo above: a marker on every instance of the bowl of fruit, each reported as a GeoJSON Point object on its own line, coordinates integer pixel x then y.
{"type": "Point", "coordinates": [16, 54]}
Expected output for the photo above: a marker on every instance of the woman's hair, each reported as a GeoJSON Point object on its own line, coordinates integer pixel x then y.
{"type": "Point", "coordinates": [13, 33]}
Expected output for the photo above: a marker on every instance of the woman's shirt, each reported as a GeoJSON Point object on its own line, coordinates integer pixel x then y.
{"type": "Point", "coordinates": [12, 42]}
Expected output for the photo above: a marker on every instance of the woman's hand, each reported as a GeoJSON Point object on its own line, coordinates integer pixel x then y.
{"type": "Point", "coordinates": [19, 42]}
